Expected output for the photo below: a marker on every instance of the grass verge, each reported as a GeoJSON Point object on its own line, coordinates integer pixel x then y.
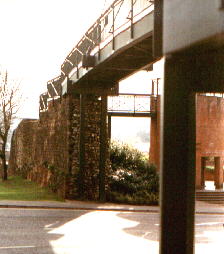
{"type": "Point", "coordinates": [17, 188]}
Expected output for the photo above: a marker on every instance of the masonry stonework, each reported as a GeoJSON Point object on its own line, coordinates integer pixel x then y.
{"type": "Point", "coordinates": [48, 150]}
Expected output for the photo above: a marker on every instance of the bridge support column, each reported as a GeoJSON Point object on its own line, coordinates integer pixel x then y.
{"type": "Point", "coordinates": [186, 73]}
{"type": "Point", "coordinates": [178, 159]}
{"type": "Point", "coordinates": [200, 171]}
{"type": "Point", "coordinates": [90, 148]}
{"type": "Point", "coordinates": [218, 173]}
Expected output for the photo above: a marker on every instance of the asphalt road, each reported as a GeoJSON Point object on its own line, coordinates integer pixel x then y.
{"type": "Point", "coordinates": [36, 231]}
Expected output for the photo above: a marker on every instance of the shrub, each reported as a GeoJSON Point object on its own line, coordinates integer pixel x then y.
{"type": "Point", "coordinates": [132, 179]}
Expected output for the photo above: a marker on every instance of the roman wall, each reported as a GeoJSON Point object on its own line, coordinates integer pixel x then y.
{"type": "Point", "coordinates": [48, 150]}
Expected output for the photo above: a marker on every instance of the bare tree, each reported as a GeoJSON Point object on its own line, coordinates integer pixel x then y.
{"type": "Point", "coordinates": [9, 106]}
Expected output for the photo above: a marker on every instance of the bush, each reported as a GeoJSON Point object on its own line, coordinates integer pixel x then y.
{"type": "Point", "coordinates": [132, 179]}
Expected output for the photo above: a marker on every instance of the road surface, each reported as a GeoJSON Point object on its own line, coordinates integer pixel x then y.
{"type": "Point", "coordinates": [36, 231]}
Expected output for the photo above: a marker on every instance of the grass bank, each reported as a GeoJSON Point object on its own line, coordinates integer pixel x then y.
{"type": "Point", "coordinates": [17, 188]}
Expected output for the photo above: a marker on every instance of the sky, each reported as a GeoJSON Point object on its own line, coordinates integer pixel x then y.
{"type": "Point", "coordinates": [37, 35]}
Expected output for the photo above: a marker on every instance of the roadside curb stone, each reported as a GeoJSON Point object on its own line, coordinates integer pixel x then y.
{"type": "Point", "coordinates": [201, 207]}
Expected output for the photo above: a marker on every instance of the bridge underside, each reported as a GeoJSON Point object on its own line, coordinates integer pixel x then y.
{"type": "Point", "coordinates": [117, 45]}
{"type": "Point", "coordinates": [120, 65]}
{"type": "Point", "coordinates": [103, 79]}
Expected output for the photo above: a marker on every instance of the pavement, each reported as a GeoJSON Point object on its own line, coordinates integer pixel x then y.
{"type": "Point", "coordinates": [201, 207]}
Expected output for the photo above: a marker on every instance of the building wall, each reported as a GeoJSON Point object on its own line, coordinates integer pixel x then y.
{"type": "Point", "coordinates": [154, 152]}
{"type": "Point", "coordinates": [209, 133]}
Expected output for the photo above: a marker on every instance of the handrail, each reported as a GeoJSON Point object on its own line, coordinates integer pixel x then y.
{"type": "Point", "coordinates": [132, 103]}
{"type": "Point", "coordinates": [106, 26]}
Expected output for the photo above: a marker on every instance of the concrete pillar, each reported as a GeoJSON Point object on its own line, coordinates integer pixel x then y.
{"type": "Point", "coordinates": [203, 166]}
{"type": "Point", "coordinates": [178, 159]}
{"type": "Point", "coordinates": [187, 72]}
{"type": "Point", "coordinates": [109, 126]}
{"type": "Point", "coordinates": [218, 173]}
{"type": "Point", "coordinates": [198, 168]}
{"type": "Point", "coordinates": [200, 172]}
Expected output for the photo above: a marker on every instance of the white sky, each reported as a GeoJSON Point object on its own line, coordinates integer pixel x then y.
{"type": "Point", "coordinates": [37, 35]}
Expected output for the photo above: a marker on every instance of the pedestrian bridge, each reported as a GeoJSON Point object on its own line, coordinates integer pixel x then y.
{"type": "Point", "coordinates": [117, 45]}
{"type": "Point", "coordinates": [80, 102]}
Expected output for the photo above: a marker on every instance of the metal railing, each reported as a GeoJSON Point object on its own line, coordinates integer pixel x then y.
{"type": "Point", "coordinates": [118, 17]}
{"type": "Point", "coordinates": [122, 14]}
{"type": "Point", "coordinates": [220, 95]}
{"type": "Point", "coordinates": [132, 103]}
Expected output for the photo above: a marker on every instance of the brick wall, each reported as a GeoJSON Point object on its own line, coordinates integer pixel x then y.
{"type": "Point", "coordinates": [209, 132]}
{"type": "Point", "coordinates": [154, 153]}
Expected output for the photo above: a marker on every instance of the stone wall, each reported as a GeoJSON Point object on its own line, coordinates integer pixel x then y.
{"type": "Point", "coordinates": [48, 150]}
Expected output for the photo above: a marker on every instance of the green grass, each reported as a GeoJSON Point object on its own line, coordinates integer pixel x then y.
{"type": "Point", "coordinates": [17, 188]}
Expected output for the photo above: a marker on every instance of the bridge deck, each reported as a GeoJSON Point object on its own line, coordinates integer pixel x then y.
{"type": "Point", "coordinates": [127, 50]}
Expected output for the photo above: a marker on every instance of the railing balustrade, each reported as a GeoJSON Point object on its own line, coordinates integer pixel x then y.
{"type": "Point", "coordinates": [118, 17]}
{"type": "Point", "coordinates": [132, 103]}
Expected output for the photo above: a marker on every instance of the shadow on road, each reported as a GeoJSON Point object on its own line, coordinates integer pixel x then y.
{"type": "Point", "coordinates": [208, 228]}
{"type": "Point", "coordinates": [147, 227]}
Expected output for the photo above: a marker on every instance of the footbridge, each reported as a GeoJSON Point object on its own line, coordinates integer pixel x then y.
{"type": "Point", "coordinates": [82, 99]}
{"type": "Point", "coordinates": [118, 44]}
{"type": "Point", "coordinates": [71, 136]}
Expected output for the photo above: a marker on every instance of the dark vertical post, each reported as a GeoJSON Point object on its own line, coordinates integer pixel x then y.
{"type": "Point", "coordinates": [109, 126]}
{"type": "Point", "coordinates": [221, 4]}
{"type": "Point", "coordinates": [99, 38]}
{"type": "Point", "coordinates": [158, 28]}
{"type": "Point", "coordinates": [203, 165]}
{"type": "Point", "coordinates": [153, 87]}
{"type": "Point", "coordinates": [132, 16]}
{"type": "Point", "coordinates": [113, 28]}
{"type": "Point", "coordinates": [82, 145]}
{"type": "Point", "coordinates": [157, 86]}
{"type": "Point", "coordinates": [134, 102]}
{"type": "Point", "coordinates": [218, 173]}
{"type": "Point", "coordinates": [103, 148]}
{"type": "Point", "coordinates": [178, 159]}
{"type": "Point", "coordinates": [77, 72]}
